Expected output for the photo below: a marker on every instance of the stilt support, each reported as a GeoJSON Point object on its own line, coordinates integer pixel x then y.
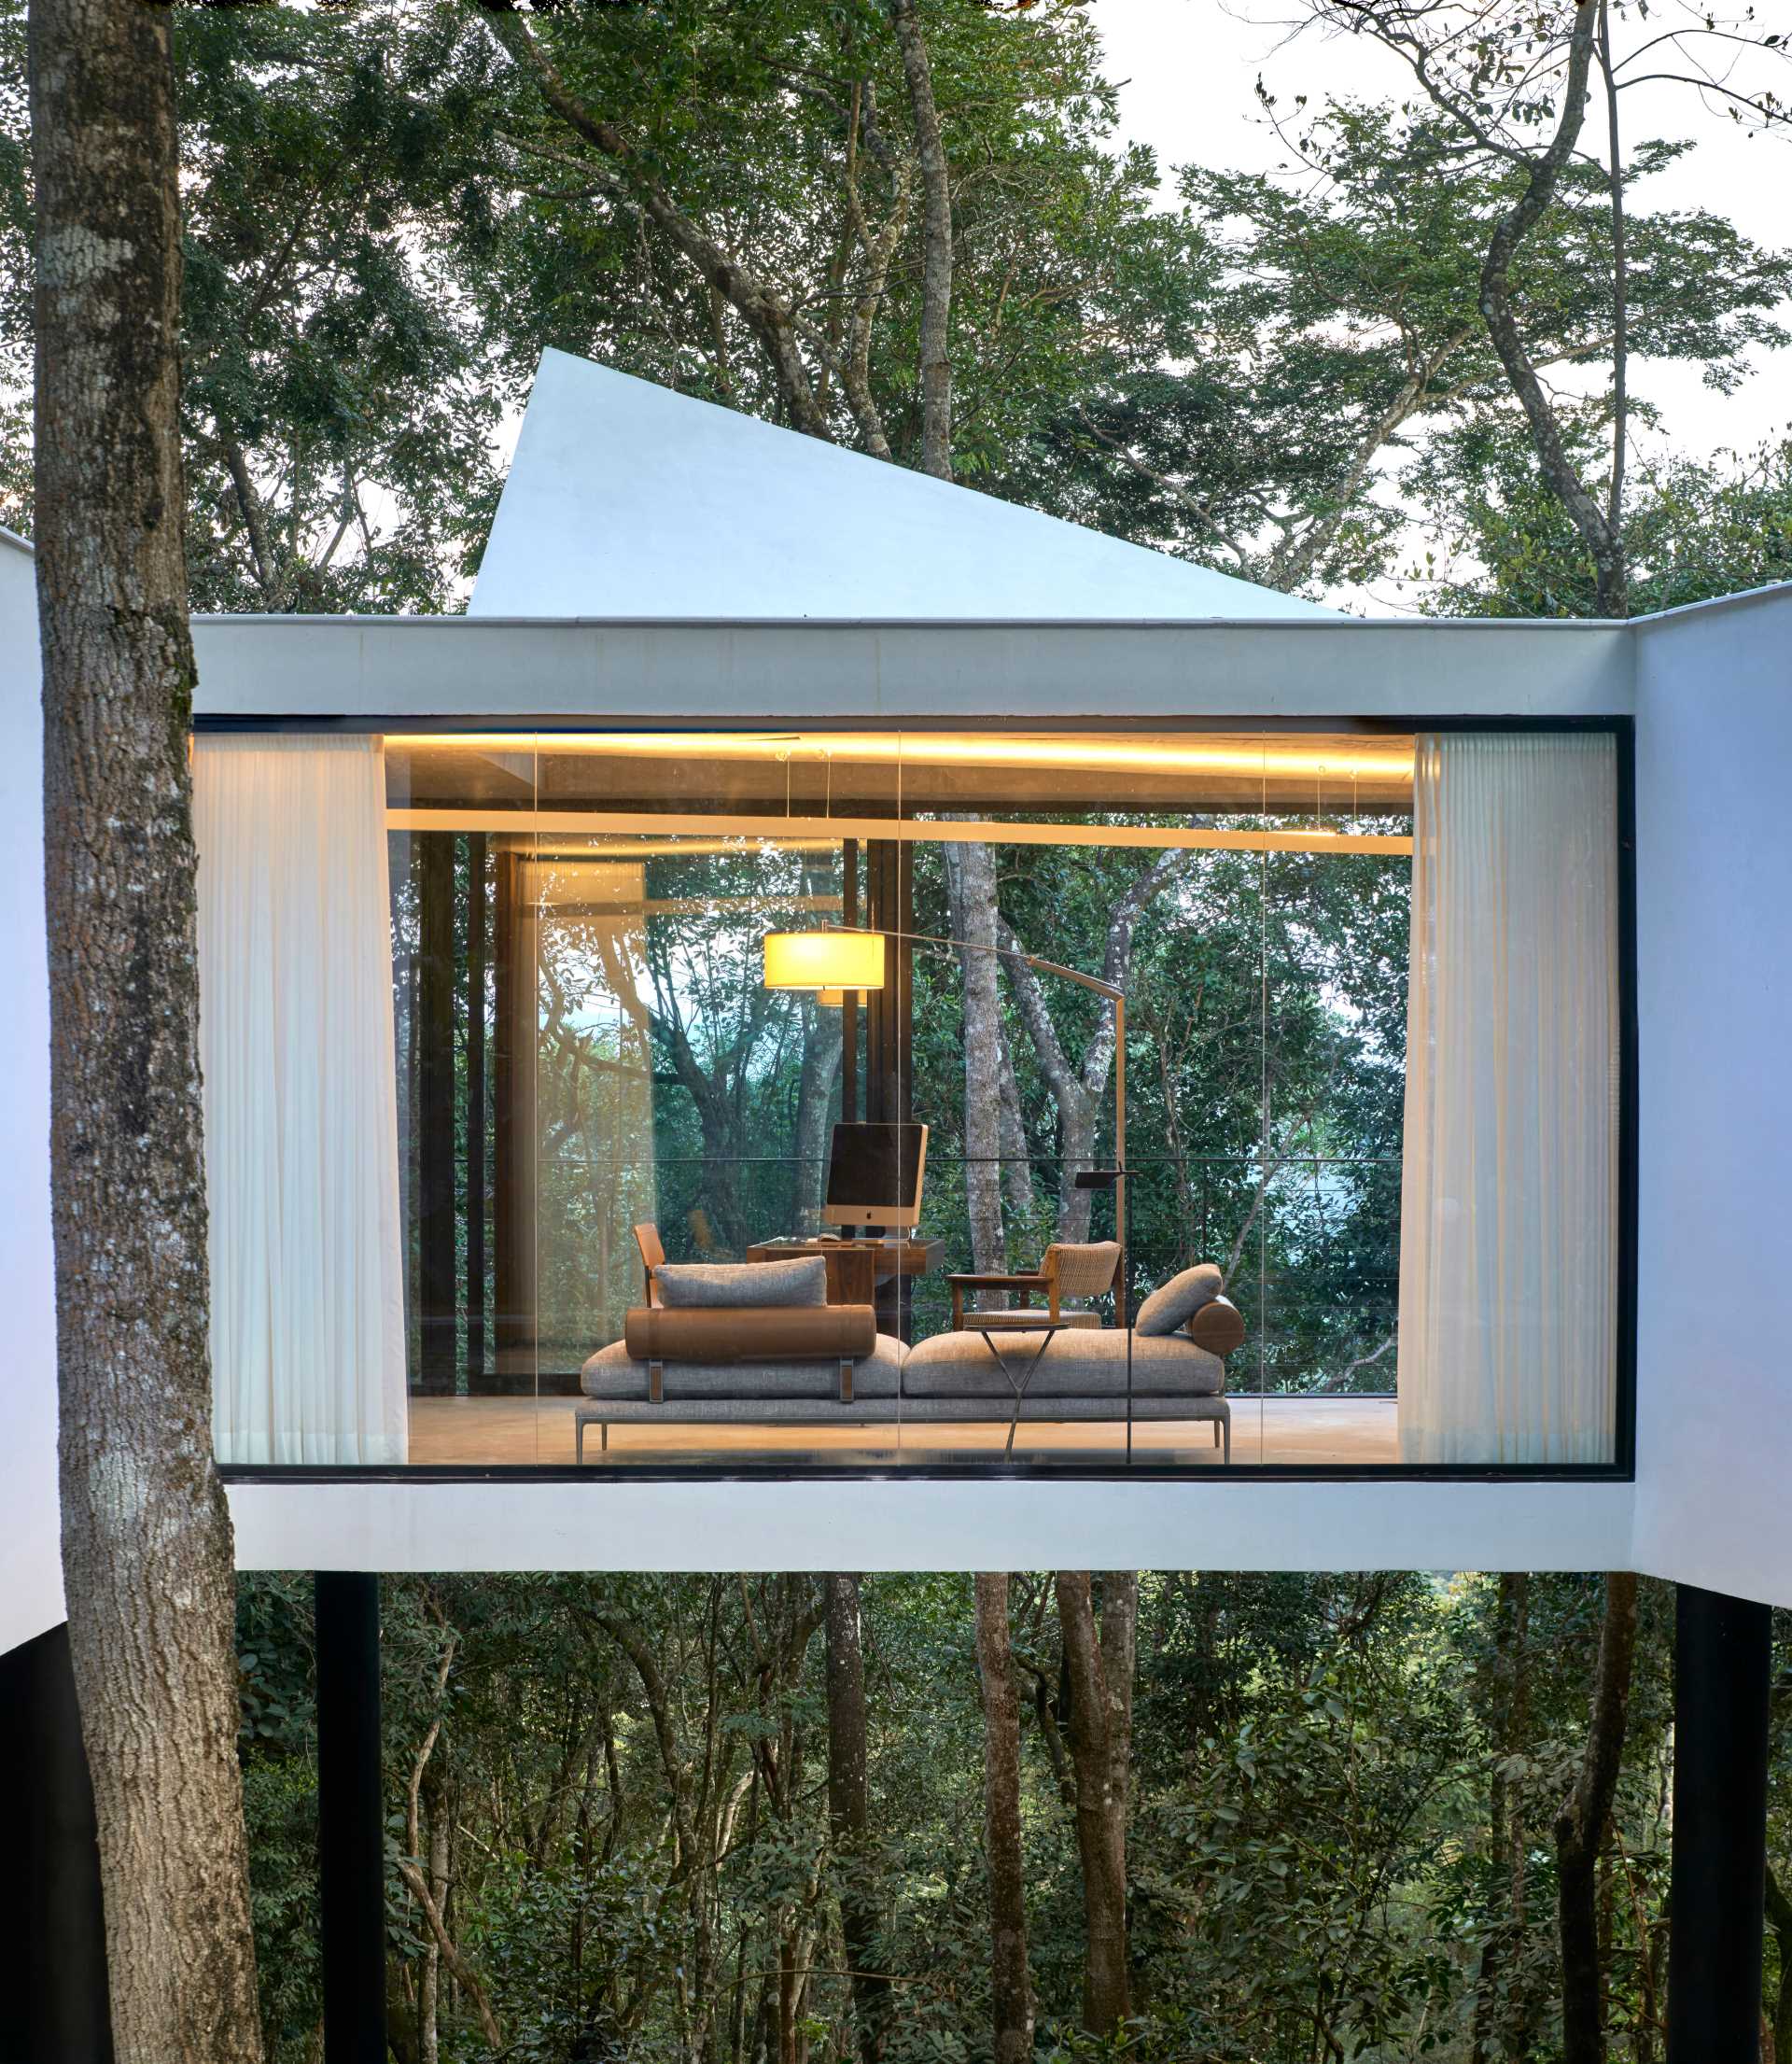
{"type": "Point", "coordinates": [351, 1845]}
{"type": "Point", "coordinates": [53, 2001]}
{"type": "Point", "coordinates": [1722, 1657]}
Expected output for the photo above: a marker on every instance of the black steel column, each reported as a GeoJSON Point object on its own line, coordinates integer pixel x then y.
{"type": "Point", "coordinates": [1722, 1664]}
{"type": "Point", "coordinates": [53, 2003]}
{"type": "Point", "coordinates": [351, 1844]}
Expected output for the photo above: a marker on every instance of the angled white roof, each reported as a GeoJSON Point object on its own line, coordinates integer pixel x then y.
{"type": "Point", "coordinates": [627, 499]}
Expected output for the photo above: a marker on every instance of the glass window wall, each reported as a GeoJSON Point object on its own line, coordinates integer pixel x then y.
{"type": "Point", "coordinates": [1149, 994]}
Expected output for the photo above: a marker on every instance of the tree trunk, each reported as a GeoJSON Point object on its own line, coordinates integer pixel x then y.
{"type": "Point", "coordinates": [1100, 1668]}
{"type": "Point", "coordinates": [850, 1811]}
{"type": "Point", "coordinates": [1580, 1826]}
{"type": "Point", "coordinates": [971, 878]}
{"type": "Point", "coordinates": [820, 1070]}
{"type": "Point", "coordinates": [936, 243]}
{"type": "Point", "coordinates": [1010, 1992]}
{"type": "Point", "coordinates": [1602, 540]}
{"type": "Point", "coordinates": [1079, 1090]}
{"type": "Point", "coordinates": [1016, 1166]}
{"type": "Point", "coordinates": [1495, 2008]}
{"type": "Point", "coordinates": [429, 1979]}
{"type": "Point", "coordinates": [1621, 284]}
{"type": "Point", "coordinates": [147, 1546]}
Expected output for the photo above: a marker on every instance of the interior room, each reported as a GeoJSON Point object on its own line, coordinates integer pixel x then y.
{"type": "Point", "coordinates": [1090, 1099]}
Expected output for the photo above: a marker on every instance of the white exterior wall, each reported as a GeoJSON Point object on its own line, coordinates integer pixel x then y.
{"type": "Point", "coordinates": [566, 671]}
{"type": "Point", "coordinates": [1713, 692]}
{"type": "Point", "coordinates": [1011, 672]}
{"type": "Point", "coordinates": [1714, 999]}
{"type": "Point", "coordinates": [31, 1565]}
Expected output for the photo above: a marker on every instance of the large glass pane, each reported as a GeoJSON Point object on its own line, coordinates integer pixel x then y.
{"type": "Point", "coordinates": [600, 1066]}
{"type": "Point", "coordinates": [1162, 864]}
{"type": "Point", "coordinates": [679, 1092]}
{"type": "Point", "coordinates": [469, 1262]}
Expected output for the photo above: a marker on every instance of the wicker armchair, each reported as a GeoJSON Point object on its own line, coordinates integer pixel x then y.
{"type": "Point", "coordinates": [1068, 1272]}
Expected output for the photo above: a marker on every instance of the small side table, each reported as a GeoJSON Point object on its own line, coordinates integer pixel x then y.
{"type": "Point", "coordinates": [1050, 1329]}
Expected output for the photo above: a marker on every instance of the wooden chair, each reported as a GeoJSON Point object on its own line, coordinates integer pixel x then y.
{"type": "Point", "coordinates": [647, 1238]}
{"type": "Point", "coordinates": [1069, 1271]}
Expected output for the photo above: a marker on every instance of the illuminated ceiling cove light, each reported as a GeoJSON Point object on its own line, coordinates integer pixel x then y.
{"type": "Point", "coordinates": [1077, 751]}
{"type": "Point", "coordinates": [824, 960]}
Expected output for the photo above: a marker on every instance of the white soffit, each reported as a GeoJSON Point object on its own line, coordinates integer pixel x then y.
{"type": "Point", "coordinates": [626, 500]}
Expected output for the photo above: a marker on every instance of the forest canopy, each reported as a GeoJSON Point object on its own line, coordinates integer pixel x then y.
{"type": "Point", "coordinates": [391, 209]}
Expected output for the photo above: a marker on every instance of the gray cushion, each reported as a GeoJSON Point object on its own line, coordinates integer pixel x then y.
{"type": "Point", "coordinates": [1172, 1304]}
{"type": "Point", "coordinates": [802, 1280]}
{"type": "Point", "coordinates": [613, 1373]}
{"type": "Point", "coordinates": [1083, 1363]}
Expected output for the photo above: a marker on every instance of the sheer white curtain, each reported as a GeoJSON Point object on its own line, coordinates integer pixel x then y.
{"type": "Point", "coordinates": [302, 1143]}
{"type": "Point", "coordinates": [1508, 1215]}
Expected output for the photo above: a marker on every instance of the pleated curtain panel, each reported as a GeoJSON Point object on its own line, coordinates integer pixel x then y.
{"type": "Point", "coordinates": [300, 1101]}
{"type": "Point", "coordinates": [1508, 1218]}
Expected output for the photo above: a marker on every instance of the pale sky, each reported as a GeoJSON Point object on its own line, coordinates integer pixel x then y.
{"type": "Point", "coordinates": [1189, 68]}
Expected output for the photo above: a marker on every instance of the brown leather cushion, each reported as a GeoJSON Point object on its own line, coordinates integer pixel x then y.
{"type": "Point", "coordinates": [1218, 1326]}
{"type": "Point", "coordinates": [778, 1333]}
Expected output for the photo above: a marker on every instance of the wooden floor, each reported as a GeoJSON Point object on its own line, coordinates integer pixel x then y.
{"type": "Point", "coordinates": [1359, 1432]}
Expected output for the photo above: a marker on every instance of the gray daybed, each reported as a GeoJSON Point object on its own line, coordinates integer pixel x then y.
{"type": "Point", "coordinates": [758, 1365]}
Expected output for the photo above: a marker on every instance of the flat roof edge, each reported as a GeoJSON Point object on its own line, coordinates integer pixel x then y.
{"type": "Point", "coordinates": [1304, 624]}
{"type": "Point", "coordinates": [1742, 599]}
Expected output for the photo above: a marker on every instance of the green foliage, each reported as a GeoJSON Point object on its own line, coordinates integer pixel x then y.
{"type": "Point", "coordinates": [337, 404]}
{"type": "Point", "coordinates": [388, 223]}
{"type": "Point", "coordinates": [1315, 1868]}
{"type": "Point", "coordinates": [1696, 528]}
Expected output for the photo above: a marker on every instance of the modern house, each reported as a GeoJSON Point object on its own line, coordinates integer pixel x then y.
{"type": "Point", "coordinates": [785, 845]}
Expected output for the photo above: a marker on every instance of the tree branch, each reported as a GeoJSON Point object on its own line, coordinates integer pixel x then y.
{"type": "Point", "coordinates": [764, 310]}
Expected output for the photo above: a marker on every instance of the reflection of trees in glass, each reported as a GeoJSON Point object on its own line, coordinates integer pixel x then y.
{"type": "Point", "coordinates": [1266, 1006]}
{"type": "Point", "coordinates": [592, 1101]}
{"type": "Point", "coordinates": [744, 1077]}
{"type": "Point", "coordinates": [1267, 1014]}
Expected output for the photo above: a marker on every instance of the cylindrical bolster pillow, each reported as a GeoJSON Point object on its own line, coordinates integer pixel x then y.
{"type": "Point", "coordinates": [1218, 1326]}
{"type": "Point", "coordinates": [772, 1333]}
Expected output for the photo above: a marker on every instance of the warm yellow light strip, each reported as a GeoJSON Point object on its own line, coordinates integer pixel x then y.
{"type": "Point", "coordinates": [1075, 751]}
{"type": "Point", "coordinates": [956, 830]}
{"type": "Point", "coordinates": [636, 849]}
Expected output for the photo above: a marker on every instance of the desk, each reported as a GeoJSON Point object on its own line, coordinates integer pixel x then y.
{"type": "Point", "coordinates": [864, 1271]}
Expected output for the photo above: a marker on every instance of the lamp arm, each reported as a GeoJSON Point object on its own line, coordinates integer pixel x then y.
{"type": "Point", "coordinates": [1101, 987]}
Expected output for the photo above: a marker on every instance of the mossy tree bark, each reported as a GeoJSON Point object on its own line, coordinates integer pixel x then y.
{"type": "Point", "coordinates": [1010, 1986]}
{"type": "Point", "coordinates": [1098, 1665]}
{"type": "Point", "coordinates": [146, 1545]}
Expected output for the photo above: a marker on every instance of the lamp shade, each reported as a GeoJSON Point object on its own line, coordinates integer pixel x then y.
{"type": "Point", "coordinates": [824, 960]}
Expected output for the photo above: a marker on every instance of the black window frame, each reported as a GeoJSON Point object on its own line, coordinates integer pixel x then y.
{"type": "Point", "coordinates": [1620, 1469]}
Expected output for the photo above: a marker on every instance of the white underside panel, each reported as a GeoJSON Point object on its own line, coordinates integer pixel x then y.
{"type": "Point", "coordinates": [891, 1525]}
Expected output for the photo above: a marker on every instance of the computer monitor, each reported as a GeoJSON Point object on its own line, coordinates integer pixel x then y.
{"type": "Point", "coordinates": [874, 1175]}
